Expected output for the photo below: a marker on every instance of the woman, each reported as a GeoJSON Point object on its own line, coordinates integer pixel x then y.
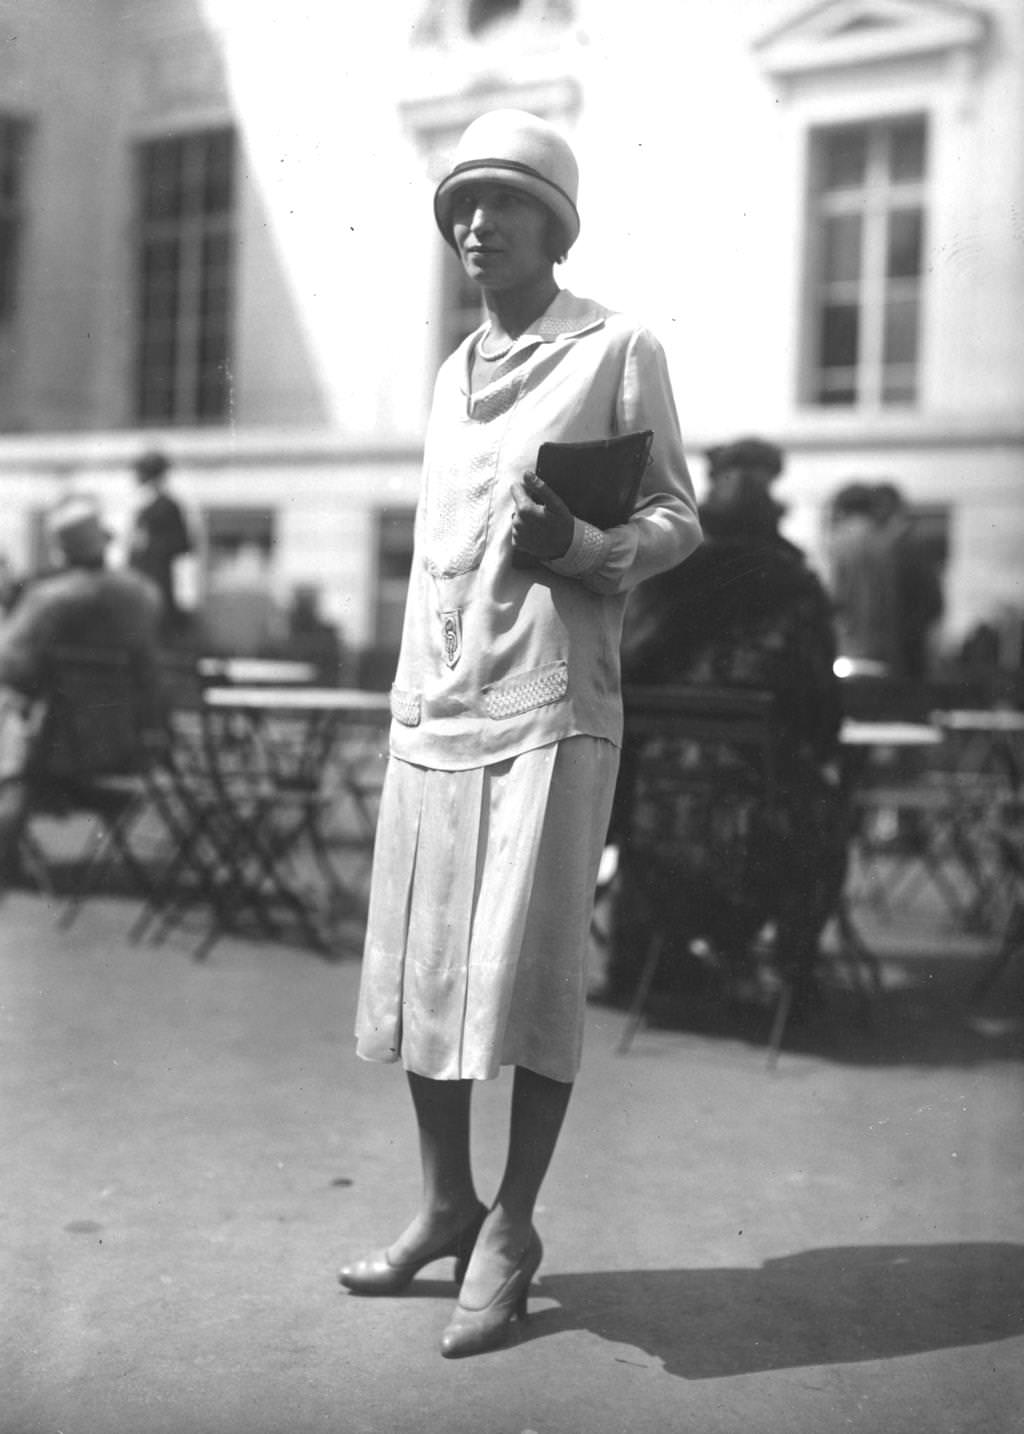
{"type": "Point", "coordinates": [747, 612]}
{"type": "Point", "coordinates": [507, 716]}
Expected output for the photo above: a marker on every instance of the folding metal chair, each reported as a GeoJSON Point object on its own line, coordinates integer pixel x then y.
{"type": "Point", "coordinates": [91, 754]}
{"type": "Point", "coordinates": [1007, 835]}
{"type": "Point", "coordinates": [666, 796]}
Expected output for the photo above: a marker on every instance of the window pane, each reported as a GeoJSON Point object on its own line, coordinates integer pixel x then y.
{"type": "Point", "coordinates": [903, 259]}
{"type": "Point", "coordinates": [162, 196]}
{"type": "Point", "coordinates": [218, 172]}
{"type": "Point", "coordinates": [844, 393]}
{"type": "Point", "coordinates": [842, 248]}
{"type": "Point", "coordinates": [484, 13]}
{"type": "Point", "coordinates": [13, 139]}
{"type": "Point", "coordinates": [907, 151]}
{"type": "Point", "coordinates": [845, 158]}
{"type": "Point", "coordinates": [8, 264]}
{"type": "Point", "coordinates": [899, 385]}
{"type": "Point", "coordinates": [900, 342]}
{"type": "Point", "coordinates": [840, 333]}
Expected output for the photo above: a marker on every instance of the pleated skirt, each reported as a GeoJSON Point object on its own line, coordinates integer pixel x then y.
{"type": "Point", "coordinates": [480, 908]}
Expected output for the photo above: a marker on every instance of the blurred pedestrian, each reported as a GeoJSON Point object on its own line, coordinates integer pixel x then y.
{"type": "Point", "coordinates": [862, 580]}
{"type": "Point", "coordinates": [311, 638]}
{"type": "Point", "coordinates": [240, 614]}
{"type": "Point", "coordinates": [160, 535]}
{"type": "Point", "coordinates": [918, 599]}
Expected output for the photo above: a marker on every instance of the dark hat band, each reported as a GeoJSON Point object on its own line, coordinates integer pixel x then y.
{"type": "Point", "coordinates": [468, 166]}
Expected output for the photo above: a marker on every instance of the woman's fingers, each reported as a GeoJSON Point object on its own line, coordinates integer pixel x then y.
{"type": "Point", "coordinates": [541, 524]}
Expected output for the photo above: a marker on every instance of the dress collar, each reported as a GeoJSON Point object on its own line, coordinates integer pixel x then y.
{"type": "Point", "coordinates": [566, 317]}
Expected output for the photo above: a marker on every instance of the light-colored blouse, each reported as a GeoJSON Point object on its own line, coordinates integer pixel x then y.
{"type": "Point", "coordinates": [498, 659]}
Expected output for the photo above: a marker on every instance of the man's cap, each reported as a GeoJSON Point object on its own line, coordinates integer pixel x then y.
{"type": "Point", "coordinates": [750, 454]}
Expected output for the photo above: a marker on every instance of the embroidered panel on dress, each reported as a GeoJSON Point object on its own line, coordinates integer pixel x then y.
{"type": "Point", "coordinates": [522, 694]}
{"type": "Point", "coordinates": [593, 547]}
{"type": "Point", "coordinates": [405, 707]}
{"type": "Point", "coordinates": [459, 496]}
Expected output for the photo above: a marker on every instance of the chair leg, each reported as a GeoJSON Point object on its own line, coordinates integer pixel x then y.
{"type": "Point", "coordinates": [35, 863]}
{"type": "Point", "coordinates": [1011, 944]}
{"type": "Point", "coordinates": [860, 961]}
{"type": "Point", "coordinates": [782, 1009]}
{"type": "Point", "coordinates": [636, 1010]}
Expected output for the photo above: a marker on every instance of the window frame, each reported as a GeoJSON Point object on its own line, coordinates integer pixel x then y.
{"type": "Point", "coordinates": [17, 128]}
{"type": "Point", "coordinates": [875, 201]}
{"type": "Point", "coordinates": [197, 275]}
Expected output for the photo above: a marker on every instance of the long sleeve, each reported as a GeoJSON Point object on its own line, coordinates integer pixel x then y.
{"type": "Point", "coordinates": [664, 528]}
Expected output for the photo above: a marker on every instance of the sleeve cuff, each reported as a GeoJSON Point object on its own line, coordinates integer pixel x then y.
{"type": "Point", "coordinates": [585, 552]}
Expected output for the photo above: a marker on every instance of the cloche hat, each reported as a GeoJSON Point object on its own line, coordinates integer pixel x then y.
{"type": "Point", "coordinates": [518, 149]}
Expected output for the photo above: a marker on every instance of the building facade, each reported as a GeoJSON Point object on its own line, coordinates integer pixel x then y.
{"type": "Point", "coordinates": [216, 238]}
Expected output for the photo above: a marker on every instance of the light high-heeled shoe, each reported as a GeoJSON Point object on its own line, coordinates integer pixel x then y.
{"type": "Point", "coordinates": [376, 1275]}
{"type": "Point", "coordinates": [474, 1331]}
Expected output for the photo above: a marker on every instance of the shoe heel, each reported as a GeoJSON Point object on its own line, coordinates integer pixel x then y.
{"type": "Point", "coordinates": [521, 1303]}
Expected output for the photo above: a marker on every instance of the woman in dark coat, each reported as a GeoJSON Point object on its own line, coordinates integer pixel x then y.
{"type": "Point", "coordinates": [745, 611]}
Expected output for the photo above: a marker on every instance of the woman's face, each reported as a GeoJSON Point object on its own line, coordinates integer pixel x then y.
{"type": "Point", "coordinates": [501, 235]}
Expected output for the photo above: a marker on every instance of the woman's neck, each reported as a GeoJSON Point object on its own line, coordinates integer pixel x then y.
{"type": "Point", "coordinates": [511, 312]}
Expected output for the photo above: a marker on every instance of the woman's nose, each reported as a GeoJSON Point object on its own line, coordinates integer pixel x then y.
{"type": "Point", "coordinates": [481, 219]}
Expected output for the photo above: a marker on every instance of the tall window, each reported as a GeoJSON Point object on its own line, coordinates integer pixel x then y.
{"type": "Point", "coordinates": [867, 255]}
{"type": "Point", "coordinates": [185, 256]}
{"type": "Point", "coordinates": [13, 145]}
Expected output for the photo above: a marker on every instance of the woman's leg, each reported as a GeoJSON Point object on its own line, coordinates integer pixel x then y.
{"type": "Point", "coordinates": [538, 1110]}
{"type": "Point", "coordinates": [449, 1197]}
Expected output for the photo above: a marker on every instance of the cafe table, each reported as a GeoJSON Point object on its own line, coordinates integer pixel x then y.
{"type": "Point", "coordinates": [318, 755]}
{"type": "Point", "coordinates": [986, 742]}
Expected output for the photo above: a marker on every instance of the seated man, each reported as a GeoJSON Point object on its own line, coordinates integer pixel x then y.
{"type": "Point", "coordinates": [85, 605]}
{"type": "Point", "coordinates": [745, 611]}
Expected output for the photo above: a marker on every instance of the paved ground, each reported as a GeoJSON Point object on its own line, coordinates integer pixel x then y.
{"type": "Point", "coordinates": [190, 1150]}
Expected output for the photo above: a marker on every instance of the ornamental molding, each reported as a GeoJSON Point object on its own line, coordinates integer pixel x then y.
{"type": "Point", "coordinates": [838, 34]}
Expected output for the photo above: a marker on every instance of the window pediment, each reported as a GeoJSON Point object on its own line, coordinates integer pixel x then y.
{"type": "Point", "coordinates": [840, 33]}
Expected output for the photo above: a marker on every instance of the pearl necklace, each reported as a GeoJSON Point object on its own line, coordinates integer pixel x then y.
{"type": "Point", "coordinates": [493, 358]}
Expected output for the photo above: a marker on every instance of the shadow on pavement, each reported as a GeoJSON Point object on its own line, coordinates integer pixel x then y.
{"type": "Point", "coordinates": [831, 1306]}
{"type": "Point", "coordinates": [924, 1015]}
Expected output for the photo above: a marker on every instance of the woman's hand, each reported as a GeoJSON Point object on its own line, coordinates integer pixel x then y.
{"type": "Point", "coordinates": [542, 525]}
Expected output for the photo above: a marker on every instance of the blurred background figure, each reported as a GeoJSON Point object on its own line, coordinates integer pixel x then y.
{"type": "Point", "coordinates": [746, 611]}
{"type": "Point", "coordinates": [919, 600]}
{"type": "Point", "coordinates": [83, 605]}
{"type": "Point", "coordinates": [759, 460]}
{"type": "Point", "coordinates": [10, 586]}
{"type": "Point", "coordinates": [311, 638]}
{"type": "Point", "coordinates": [159, 537]}
{"type": "Point", "coordinates": [240, 616]}
{"type": "Point", "coordinates": [887, 592]}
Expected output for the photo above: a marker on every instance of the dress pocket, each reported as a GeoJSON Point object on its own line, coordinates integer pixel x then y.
{"type": "Point", "coordinates": [406, 707]}
{"type": "Point", "coordinates": [526, 690]}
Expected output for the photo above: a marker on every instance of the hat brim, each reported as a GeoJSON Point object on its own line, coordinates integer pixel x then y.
{"type": "Point", "coordinates": [516, 176]}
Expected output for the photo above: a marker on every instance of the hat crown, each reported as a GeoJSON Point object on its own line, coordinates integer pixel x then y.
{"type": "Point", "coordinates": [517, 149]}
{"type": "Point", "coordinates": [518, 138]}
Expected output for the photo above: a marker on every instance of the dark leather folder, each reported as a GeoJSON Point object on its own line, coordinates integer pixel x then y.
{"type": "Point", "coordinates": [598, 480]}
